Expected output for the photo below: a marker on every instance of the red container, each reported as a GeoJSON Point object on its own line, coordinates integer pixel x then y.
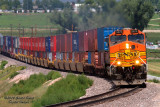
{"type": "Point", "coordinates": [81, 56]}
{"type": "Point", "coordinates": [69, 42]}
{"type": "Point", "coordinates": [33, 43]}
{"type": "Point", "coordinates": [42, 44]}
{"type": "Point", "coordinates": [53, 43]}
{"type": "Point", "coordinates": [58, 43]}
{"type": "Point", "coordinates": [26, 43]}
{"type": "Point", "coordinates": [63, 43]}
{"type": "Point", "coordinates": [53, 56]}
{"type": "Point", "coordinates": [76, 57]}
{"type": "Point", "coordinates": [92, 40]}
{"type": "Point", "coordinates": [21, 42]}
{"type": "Point", "coordinates": [83, 41]}
{"type": "Point", "coordinates": [30, 44]}
{"type": "Point", "coordinates": [36, 43]}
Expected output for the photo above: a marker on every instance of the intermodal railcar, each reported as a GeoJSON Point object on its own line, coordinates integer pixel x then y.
{"type": "Point", "coordinates": [117, 52]}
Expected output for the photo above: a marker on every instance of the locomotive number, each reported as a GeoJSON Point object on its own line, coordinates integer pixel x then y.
{"type": "Point", "coordinates": [127, 54]}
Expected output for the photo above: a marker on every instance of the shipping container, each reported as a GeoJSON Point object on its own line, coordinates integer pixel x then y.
{"type": "Point", "coordinates": [53, 43]}
{"type": "Point", "coordinates": [42, 44]}
{"type": "Point", "coordinates": [91, 58]}
{"type": "Point", "coordinates": [1, 39]}
{"type": "Point", "coordinates": [47, 44]}
{"type": "Point", "coordinates": [75, 42]}
{"type": "Point", "coordinates": [63, 43]}
{"type": "Point", "coordinates": [103, 37]}
{"type": "Point", "coordinates": [69, 42]}
{"type": "Point", "coordinates": [58, 43]}
{"type": "Point", "coordinates": [83, 41]}
{"type": "Point", "coordinates": [57, 55]}
{"type": "Point", "coordinates": [37, 44]}
{"type": "Point", "coordinates": [92, 40]}
{"type": "Point", "coordinates": [53, 56]}
{"type": "Point", "coordinates": [12, 41]}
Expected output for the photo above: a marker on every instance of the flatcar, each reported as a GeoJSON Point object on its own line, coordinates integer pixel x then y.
{"type": "Point", "coordinates": [114, 52]}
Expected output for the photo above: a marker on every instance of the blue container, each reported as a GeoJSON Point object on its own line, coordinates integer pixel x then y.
{"type": "Point", "coordinates": [47, 44]}
{"type": "Point", "coordinates": [1, 42]}
{"type": "Point", "coordinates": [9, 41]}
{"type": "Point", "coordinates": [89, 57]}
{"type": "Point", "coordinates": [16, 51]}
{"type": "Point", "coordinates": [75, 42]}
{"type": "Point", "coordinates": [103, 37]}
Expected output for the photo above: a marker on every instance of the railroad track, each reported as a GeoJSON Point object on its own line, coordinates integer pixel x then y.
{"type": "Point", "coordinates": [101, 98]}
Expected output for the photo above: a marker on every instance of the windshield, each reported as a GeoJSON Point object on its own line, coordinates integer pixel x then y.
{"type": "Point", "coordinates": [117, 39]}
{"type": "Point", "coordinates": [136, 38]}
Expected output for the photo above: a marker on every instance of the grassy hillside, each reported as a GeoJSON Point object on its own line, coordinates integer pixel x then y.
{"type": "Point", "coordinates": [26, 20]}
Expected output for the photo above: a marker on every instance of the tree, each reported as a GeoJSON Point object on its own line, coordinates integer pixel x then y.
{"type": "Point", "coordinates": [106, 4]}
{"type": "Point", "coordinates": [158, 6]}
{"type": "Point", "coordinates": [16, 4]}
{"type": "Point", "coordinates": [137, 12]}
{"type": "Point", "coordinates": [65, 19]}
{"type": "Point", "coordinates": [27, 4]}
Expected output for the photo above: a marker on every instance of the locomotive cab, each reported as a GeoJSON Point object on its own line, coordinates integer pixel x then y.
{"type": "Point", "coordinates": [127, 57]}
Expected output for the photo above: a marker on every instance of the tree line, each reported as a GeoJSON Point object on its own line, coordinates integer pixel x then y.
{"type": "Point", "coordinates": [101, 13]}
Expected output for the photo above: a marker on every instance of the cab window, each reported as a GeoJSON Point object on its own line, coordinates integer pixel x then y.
{"type": "Point", "coordinates": [117, 39]}
{"type": "Point", "coordinates": [136, 38]}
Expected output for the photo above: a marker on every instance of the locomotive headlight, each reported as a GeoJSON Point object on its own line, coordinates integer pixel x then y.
{"type": "Point", "coordinates": [127, 46]}
{"type": "Point", "coordinates": [137, 62]}
{"type": "Point", "coordinates": [119, 63]}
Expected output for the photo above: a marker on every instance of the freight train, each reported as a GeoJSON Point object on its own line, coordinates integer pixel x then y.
{"type": "Point", "coordinates": [117, 52]}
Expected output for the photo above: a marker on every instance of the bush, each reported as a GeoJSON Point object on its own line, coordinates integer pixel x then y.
{"type": "Point", "coordinates": [14, 74]}
{"type": "Point", "coordinates": [70, 88]}
{"type": "Point", "coordinates": [26, 86]}
{"type": "Point", "coordinates": [3, 63]}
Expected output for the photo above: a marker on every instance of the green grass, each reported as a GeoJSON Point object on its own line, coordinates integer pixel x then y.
{"type": "Point", "coordinates": [153, 55]}
{"type": "Point", "coordinates": [154, 80]}
{"type": "Point", "coordinates": [153, 37]}
{"type": "Point", "coordinates": [13, 75]}
{"type": "Point", "coordinates": [35, 81]}
{"type": "Point", "coordinates": [6, 73]}
{"type": "Point", "coordinates": [26, 20]}
{"type": "Point", "coordinates": [154, 67]}
{"type": "Point", "coordinates": [155, 16]}
{"type": "Point", "coordinates": [70, 88]}
{"type": "Point", "coordinates": [154, 73]}
{"type": "Point", "coordinates": [153, 60]}
{"type": "Point", "coordinates": [3, 63]}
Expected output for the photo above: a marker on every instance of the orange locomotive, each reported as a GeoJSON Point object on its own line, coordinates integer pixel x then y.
{"type": "Point", "coordinates": [127, 57]}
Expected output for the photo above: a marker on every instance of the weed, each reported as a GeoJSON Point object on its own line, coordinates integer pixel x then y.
{"type": "Point", "coordinates": [26, 86]}
{"type": "Point", "coordinates": [3, 63]}
{"type": "Point", "coordinates": [14, 74]}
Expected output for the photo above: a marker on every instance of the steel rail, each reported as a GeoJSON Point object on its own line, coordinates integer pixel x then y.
{"type": "Point", "coordinates": [71, 103]}
{"type": "Point", "coordinates": [104, 97]}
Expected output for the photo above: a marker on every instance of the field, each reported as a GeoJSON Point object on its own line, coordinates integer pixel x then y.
{"type": "Point", "coordinates": [153, 67]}
{"type": "Point", "coordinates": [26, 20]}
{"type": "Point", "coordinates": [16, 22]}
{"type": "Point", "coordinates": [153, 37]}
